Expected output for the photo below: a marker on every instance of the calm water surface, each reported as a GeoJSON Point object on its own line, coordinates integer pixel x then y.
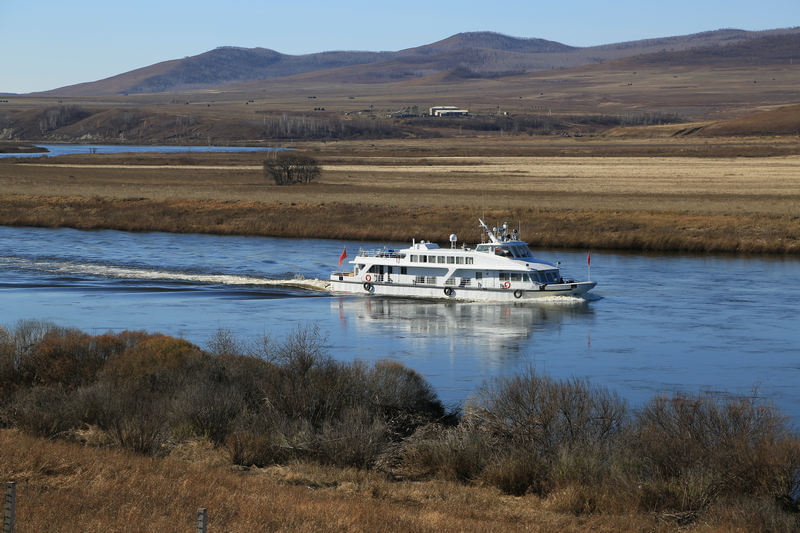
{"type": "Point", "coordinates": [68, 149]}
{"type": "Point", "coordinates": [656, 324]}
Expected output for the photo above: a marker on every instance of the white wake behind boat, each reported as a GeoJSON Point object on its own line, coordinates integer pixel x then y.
{"type": "Point", "coordinates": [502, 269]}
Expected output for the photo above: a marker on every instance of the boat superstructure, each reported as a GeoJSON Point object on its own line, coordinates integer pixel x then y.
{"type": "Point", "coordinates": [502, 269]}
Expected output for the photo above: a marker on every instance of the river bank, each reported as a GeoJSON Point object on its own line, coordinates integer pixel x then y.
{"type": "Point", "coordinates": [667, 231]}
{"type": "Point", "coordinates": [600, 194]}
{"type": "Point", "coordinates": [116, 427]}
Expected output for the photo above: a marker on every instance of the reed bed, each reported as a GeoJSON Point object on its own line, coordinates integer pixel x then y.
{"type": "Point", "coordinates": [579, 229]}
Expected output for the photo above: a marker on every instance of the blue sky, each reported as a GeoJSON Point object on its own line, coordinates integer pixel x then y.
{"type": "Point", "coordinates": [47, 44]}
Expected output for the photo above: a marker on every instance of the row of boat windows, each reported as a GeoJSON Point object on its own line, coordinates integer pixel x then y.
{"type": "Point", "coordinates": [518, 251]}
{"type": "Point", "coordinates": [442, 259]}
{"type": "Point", "coordinates": [542, 276]}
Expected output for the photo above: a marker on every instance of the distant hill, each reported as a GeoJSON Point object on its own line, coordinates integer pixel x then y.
{"type": "Point", "coordinates": [464, 55]}
{"type": "Point", "coordinates": [767, 49]}
{"type": "Point", "coordinates": [781, 121]}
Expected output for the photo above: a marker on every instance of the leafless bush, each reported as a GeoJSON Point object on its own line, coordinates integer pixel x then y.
{"type": "Point", "coordinates": [355, 439]}
{"type": "Point", "coordinates": [136, 416]}
{"type": "Point", "coordinates": [288, 168]}
{"type": "Point", "coordinates": [7, 366]}
{"type": "Point", "coordinates": [459, 453]}
{"type": "Point", "coordinates": [208, 403]}
{"type": "Point", "coordinates": [43, 411]}
{"type": "Point", "coordinates": [545, 417]}
{"type": "Point", "coordinates": [259, 439]}
{"type": "Point", "coordinates": [223, 342]}
{"type": "Point", "coordinates": [692, 450]}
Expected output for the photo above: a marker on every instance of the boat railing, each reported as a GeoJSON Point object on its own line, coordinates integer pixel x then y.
{"type": "Point", "coordinates": [380, 252]}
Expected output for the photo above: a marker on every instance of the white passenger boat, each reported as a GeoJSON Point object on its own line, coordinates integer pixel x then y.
{"type": "Point", "coordinates": [502, 269]}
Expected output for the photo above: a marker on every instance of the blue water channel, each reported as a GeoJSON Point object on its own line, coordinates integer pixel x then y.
{"type": "Point", "coordinates": [657, 323]}
{"type": "Point", "coordinates": [70, 149]}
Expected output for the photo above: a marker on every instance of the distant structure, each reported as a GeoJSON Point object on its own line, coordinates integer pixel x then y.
{"type": "Point", "coordinates": [448, 111]}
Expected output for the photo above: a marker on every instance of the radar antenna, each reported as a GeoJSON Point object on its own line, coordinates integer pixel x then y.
{"type": "Point", "coordinates": [492, 236]}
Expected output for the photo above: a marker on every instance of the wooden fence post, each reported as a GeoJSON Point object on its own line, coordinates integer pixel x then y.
{"type": "Point", "coordinates": [8, 507]}
{"type": "Point", "coordinates": [202, 518]}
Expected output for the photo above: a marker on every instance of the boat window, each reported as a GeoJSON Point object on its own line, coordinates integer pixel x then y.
{"type": "Point", "coordinates": [413, 258]}
{"type": "Point", "coordinates": [484, 248]}
{"type": "Point", "coordinates": [423, 259]}
{"type": "Point", "coordinates": [503, 276]}
{"type": "Point", "coordinates": [516, 276]}
{"type": "Point", "coordinates": [419, 279]}
{"type": "Point", "coordinates": [431, 259]}
{"type": "Point", "coordinates": [459, 260]}
{"type": "Point", "coordinates": [551, 276]}
{"type": "Point", "coordinates": [404, 270]}
{"type": "Point", "coordinates": [478, 275]}
{"type": "Point", "coordinates": [469, 260]}
{"type": "Point", "coordinates": [451, 259]}
{"type": "Point", "coordinates": [440, 259]}
{"type": "Point", "coordinates": [526, 277]}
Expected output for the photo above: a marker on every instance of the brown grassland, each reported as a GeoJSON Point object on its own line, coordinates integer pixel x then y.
{"type": "Point", "coordinates": [116, 490]}
{"type": "Point", "coordinates": [604, 193]}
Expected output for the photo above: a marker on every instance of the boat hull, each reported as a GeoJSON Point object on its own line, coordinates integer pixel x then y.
{"type": "Point", "coordinates": [460, 293]}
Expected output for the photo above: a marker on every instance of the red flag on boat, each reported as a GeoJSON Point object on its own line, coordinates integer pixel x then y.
{"type": "Point", "coordinates": [588, 258]}
{"type": "Point", "coordinates": [341, 257]}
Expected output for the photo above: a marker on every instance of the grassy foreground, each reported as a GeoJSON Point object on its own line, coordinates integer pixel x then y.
{"type": "Point", "coordinates": [135, 431]}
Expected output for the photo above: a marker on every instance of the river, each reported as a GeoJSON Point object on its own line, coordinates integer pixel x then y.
{"type": "Point", "coordinates": [656, 323]}
{"type": "Point", "coordinates": [70, 149]}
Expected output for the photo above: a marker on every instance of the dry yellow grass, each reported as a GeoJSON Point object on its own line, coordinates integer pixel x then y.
{"type": "Point", "coordinates": [63, 486]}
{"type": "Point", "coordinates": [399, 190]}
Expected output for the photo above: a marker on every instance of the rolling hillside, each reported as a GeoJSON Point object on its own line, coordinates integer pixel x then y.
{"type": "Point", "coordinates": [470, 55]}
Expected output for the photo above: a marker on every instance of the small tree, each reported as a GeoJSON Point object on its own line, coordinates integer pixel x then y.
{"type": "Point", "coordinates": [287, 168]}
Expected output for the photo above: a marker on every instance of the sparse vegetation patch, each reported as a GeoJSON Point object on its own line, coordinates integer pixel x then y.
{"type": "Point", "coordinates": [573, 448]}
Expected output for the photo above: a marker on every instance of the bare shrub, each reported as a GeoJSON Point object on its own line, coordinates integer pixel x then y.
{"type": "Point", "coordinates": [28, 333]}
{"type": "Point", "coordinates": [355, 439]}
{"type": "Point", "coordinates": [63, 356]}
{"type": "Point", "coordinates": [134, 414]}
{"type": "Point", "coordinates": [458, 453]}
{"type": "Point", "coordinates": [43, 411]}
{"type": "Point", "coordinates": [302, 350]}
{"type": "Point", "coordinates": [208, 401]}
{"type": "Point", "coordinates": [256, 440]}
{"type": "Point", "coordinates": [544, 416]}
{"type": "Point", "coordinates": [223, 342]}
{"type": "Point", "coordinates": [691, 450]}
{"type": "Point", "coordinates": [396, 388]}
{"type": "Point", "coordinates": [8, 360]}
{"type": "Point", "coordinates": [288, 168]}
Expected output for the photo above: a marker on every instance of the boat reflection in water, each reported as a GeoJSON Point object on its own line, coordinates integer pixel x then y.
{"type": "Point", "coordinates": [481, 324]}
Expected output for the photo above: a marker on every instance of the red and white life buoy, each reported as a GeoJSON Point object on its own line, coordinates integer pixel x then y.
{"type": "Point", "coordinates": [368, 277]}
{"type": "Point", "coordinates": [507, 284]}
